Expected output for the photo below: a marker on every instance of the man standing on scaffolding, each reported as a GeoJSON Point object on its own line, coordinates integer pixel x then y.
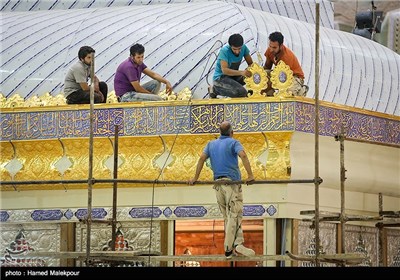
{"type": "Point", "coordinates": [223, 153]}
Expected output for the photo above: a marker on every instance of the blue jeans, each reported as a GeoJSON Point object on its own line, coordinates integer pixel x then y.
{"type": "Point", "coordinates": [153, 86]}
{"type": "Point", "coordinates": [230, 86]}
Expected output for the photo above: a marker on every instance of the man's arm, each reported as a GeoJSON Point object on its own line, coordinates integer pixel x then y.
{"type": "Point", "coordinates": [199, 167]}
{"type": "Point", "coordinates": [232, 72]}
{"type": "Point", "coordinates": [268, 63]}
{"type": "Point", "coordinates": [247, 166]}
{"type": "Point", "coordinates": [249, 60]}
{"type": "Point", "coordinates": [96, 84]}
{"type": "Point", "coordinates": [85, 86]}
{"type": "Point", "coordinates": [138, 88]}
{"type": "Point", "coordinates": [159, 78]}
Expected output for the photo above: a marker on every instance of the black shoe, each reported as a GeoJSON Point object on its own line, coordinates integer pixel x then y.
{"type": "Point", "coordinates": [306, 88]}
{"type": "Point", "coordinates": [229, 254]}
{"type": "Point", "coordinates": [213, 95]}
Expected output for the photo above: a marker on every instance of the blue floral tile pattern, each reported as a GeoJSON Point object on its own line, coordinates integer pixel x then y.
{"type": "Point", "coordinates": [167, 212]}
{"type": "Point", "coordinates": [271, 210]}
{"type": "Point", "coordinates": [4, 216]}
{"type": "Point", "coordinates": [69, 214]}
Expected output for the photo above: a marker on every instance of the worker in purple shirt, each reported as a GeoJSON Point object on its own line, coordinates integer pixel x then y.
{"type": "Point", "coordinates": [127, 79]}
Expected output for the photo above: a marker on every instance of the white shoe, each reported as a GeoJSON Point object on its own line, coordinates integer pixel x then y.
{"type": "Point", "coordinates": [244, 251]}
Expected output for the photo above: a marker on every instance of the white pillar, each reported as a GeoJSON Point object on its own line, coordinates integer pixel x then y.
{"type": "Point", "coordinates": [269, 240]}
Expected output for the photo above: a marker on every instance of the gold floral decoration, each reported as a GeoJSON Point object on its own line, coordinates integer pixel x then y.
{"type": "Point", "coordinates": [57, 100]}
{"type": "Point", "coordinates": [184, 94]}
{"type": "Point", "coordinates": [33, 101]}
{"type": "Point", "coordinates": [48, 100]}
{"type": "Point", "coordinates": [258, 80]}
{"type": "Point", "coordinates": [3, 100]}
{"type": "Point", "coordinates": [112, 97]}
{"type": "Point", "coordinates": [14, 101]}
{"type": "Point", "coordinates": [282, 79]}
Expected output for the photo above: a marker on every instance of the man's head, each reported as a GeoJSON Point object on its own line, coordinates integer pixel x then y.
{"type": "Point", "coordinates": [235, 41]}
{"type": "Point", "coordinates": [137, 53]}
{"type": "Point", "coordinates": [275, 42]}
{"type": "Point", "coordinates": [85, 54]}
{"type": "Point", "coordinates": [226, 128]}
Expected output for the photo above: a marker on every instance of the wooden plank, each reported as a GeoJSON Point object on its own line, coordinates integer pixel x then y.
{"type": "Point", "coordinates": [335, 217]}
{"type": "Point", "coordinates": [390, 214]}
{"type": "Point", "coordinates": [114, 256]}
{"type": "Point", "coordinates": [67, 242]}
{"type": "Point", "coordinates": [321, 213]}
{"type": "Point", "coordinates": [353, 258]}
{"type": "Point", "coordinates": [295, 240]}
{"type": "Point", "coordinates": [164, 240]}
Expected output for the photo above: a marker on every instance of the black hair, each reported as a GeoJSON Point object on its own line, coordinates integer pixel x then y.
{"type": "Point", "coordinates": [84, 51]}
{"type": "Point", "coordinates": [276, 37]}
{"type": "Point", "coordinates": [235, 40]}
{"type": "Point", "coordinates": [136, 49]}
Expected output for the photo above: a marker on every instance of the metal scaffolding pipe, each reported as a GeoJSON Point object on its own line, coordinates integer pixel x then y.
{"type": "Point", "coordinates": [342, 194]}
{"type": "Point", "coordinates": [115, 188]}
{"type": "Point", "coordinates": [316, 182]}
{"type": "Point", "coordinates": [165, 182]}
{"type": "Point", "coordinates": [90, 174]}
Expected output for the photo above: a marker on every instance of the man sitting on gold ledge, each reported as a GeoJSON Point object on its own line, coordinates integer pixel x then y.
{"type": "Point", "coordinates": [277, 52]}
{"type": "Point", "coordinates": [228, 79]}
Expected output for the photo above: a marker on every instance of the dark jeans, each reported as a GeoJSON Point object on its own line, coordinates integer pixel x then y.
{"type": "Point", "coordinates": [83, 97]}
{"type": "Point", "coordinates": [231, 86]}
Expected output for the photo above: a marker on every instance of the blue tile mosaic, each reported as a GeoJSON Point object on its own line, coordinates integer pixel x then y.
{"type": "Point", "coordinates": [4, 216]}
{"type": "Point", "coordinates": [173, 120]}
{"type": "Point", "coordinates": [69, 214]}
{"type": "Point", "coordinates": [190, 211]}
{"type": "Point", "coordinates": [196, 119]}
{"type": "Point", "coordinates": [127, 213]}
{"type": "Point", "coordinates": [355, 125]}
{"type": "Point", "coordinates": [46, 215]}
{"type": "Point", "coordinates": [271, 210]}
{"type": "Point", "coordinates": [97, 213]}
{"type": "Point", "coordinates": [145, 212]}
{"type": "Point", "coordinates": [167, 212]}
{"type": "Point", "coordinates": [253, 210]}
{"type": "Point", "coordinates": [205, 118]}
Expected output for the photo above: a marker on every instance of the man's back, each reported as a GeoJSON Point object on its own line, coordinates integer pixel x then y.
{"type": "Point", "coordinates": [223, 153]}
